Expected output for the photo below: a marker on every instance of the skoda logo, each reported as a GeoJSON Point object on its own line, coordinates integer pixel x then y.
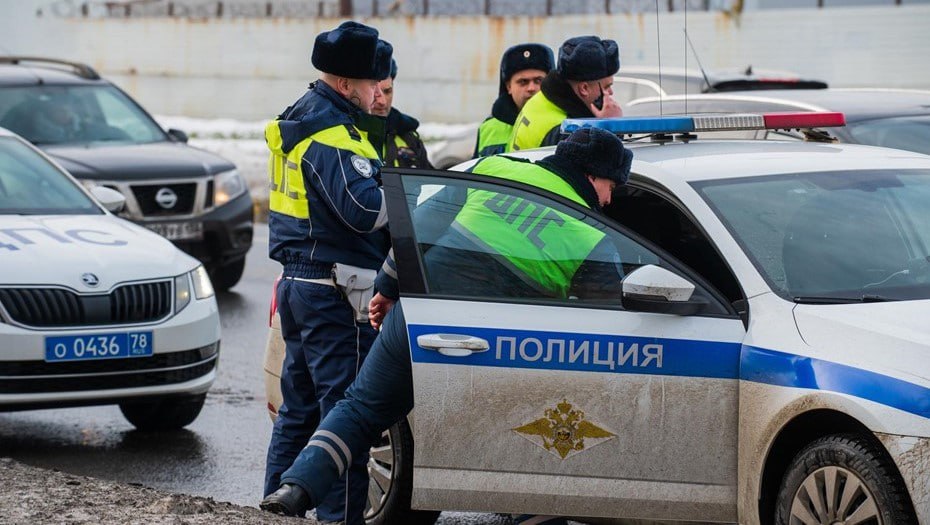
{"type": "Point", "coordinates": [166, 198]}
{"type": "Point", "coordinates": [90, 279]}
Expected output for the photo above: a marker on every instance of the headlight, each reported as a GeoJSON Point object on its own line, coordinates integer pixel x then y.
{"type": "Point", "coordinates": [227, 186]}
{"type": "Point", "coordinates": [182, 292]}
{"type": "Point", "coordinates": [203, 288]}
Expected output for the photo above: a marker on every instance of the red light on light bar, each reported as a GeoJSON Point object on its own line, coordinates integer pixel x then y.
{"type": "Point", "coordinates": [803, 120]}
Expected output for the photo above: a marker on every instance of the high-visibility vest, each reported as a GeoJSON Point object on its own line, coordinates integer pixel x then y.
{"type": "Point", "coordinates": [537, 118]}
{"type": "Point", "coordinates": [543, 246]}
{"type": "Point", "coordinates": [493, 135]}
{"type": "Point", "coordinates": [287, 194]}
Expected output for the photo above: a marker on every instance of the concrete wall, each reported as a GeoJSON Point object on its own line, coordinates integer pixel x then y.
{"type": "Point", "coordinates": [253, 68]}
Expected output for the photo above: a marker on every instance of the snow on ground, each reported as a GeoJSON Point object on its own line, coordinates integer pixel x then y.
{"type": "Point", "coordinates": [243, 143]}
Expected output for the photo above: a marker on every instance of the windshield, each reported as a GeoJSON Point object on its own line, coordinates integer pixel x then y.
{"type": "Point", "coordinates": [832, 237]}
{"type": "Point", "coordinates": [75, 115]}
{"type": "Point", "coordinates": [30, 185]}
{"type": "Point", "coordinates": [910, 133]}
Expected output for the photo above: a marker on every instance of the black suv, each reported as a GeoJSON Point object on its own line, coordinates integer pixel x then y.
{"type": "Point", "coordinates": [103, 137]}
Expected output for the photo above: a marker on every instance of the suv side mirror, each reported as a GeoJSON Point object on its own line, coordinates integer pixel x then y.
{"type": "Point", "coordinates": [653, 289]}
{"type": "Point", "coordinates": [111, 199]}
{"type": "Point", "coordinates": [177, 135]}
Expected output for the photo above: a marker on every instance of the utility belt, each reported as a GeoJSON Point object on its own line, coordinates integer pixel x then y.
{"type": "Point", "coordinates": [356, 284]}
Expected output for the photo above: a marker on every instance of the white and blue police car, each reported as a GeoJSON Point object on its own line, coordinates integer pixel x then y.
{"type": "Point", "coordinates": [93, 309]}
{"type": "Point", "coordinates": [765, 360]}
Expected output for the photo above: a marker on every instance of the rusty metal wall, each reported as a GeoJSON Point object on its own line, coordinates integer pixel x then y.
{"type": "Point", "coordinates": [252, 68]}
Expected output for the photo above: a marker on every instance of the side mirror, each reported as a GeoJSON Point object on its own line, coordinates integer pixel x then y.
{"type": "Point", "coordinates": [177, 135]}
{"type": "Point", "coordinates": [653, 289]}
{"type": "Point", "coordinates": [111, 199]}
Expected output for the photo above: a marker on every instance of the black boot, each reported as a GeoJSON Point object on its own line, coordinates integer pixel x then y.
{"type": "Point", "coordinates": [289, 500]}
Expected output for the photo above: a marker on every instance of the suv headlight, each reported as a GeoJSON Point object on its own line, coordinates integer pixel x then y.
{"type": "Point", "coordinates": [202, 287]}
{"type": "Point", "coordinates": [227, 186]}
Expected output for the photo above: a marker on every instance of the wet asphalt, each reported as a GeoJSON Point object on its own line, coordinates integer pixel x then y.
{"type": "Point", "coordinates": [221, 455]}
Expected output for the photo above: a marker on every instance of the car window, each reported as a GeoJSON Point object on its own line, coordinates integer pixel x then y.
{"type": "Point", "coordinates": [909, 133]}
{"type": "Point", "coordinates": [843, 236]}
{"type": "Point", "coordinates": [75, 114]}
{"type": "Point", "coordinates": [30, 185]}
{"type": "Point", "coordinates": [478, 239]}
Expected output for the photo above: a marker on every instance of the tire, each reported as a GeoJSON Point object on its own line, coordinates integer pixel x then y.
{"type": "Point", "coordinates": [225, 277]}
{"type": "Point", "coordinates": [390, 472]}
{"type": "Point", "coordinates": [849, 476]}
{"type": "Point", "coordinates": [170, 413]}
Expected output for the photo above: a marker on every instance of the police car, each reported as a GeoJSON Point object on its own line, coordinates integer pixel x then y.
{"type": "Point", "coordinates": [765, 363]}
{"type": "Point", "coordinates": [94, 309]}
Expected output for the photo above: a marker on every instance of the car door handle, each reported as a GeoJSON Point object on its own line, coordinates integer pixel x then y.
{"type": "Point", "coordinates": [453, 345]}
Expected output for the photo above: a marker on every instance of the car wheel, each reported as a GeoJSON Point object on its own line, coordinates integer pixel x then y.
{"type": "Point", "coordinates": [843, 479]}
{"type": "Point", "coordinates": [390, 472]}
{"type": "Point", "coordinates": [170, 413]}
{"type": "Point", "coordinates": [225, 277]}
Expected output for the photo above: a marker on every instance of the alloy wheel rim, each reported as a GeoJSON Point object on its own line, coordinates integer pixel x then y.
{"type": "Point", "coordinates": [380, 475]}
{"type": "Point", "coordinates": [832, 496]}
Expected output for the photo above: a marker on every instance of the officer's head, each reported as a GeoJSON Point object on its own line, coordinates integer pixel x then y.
{"type": "Point", "coordinates": [353, 60]}
{"type": "Point", "coordinates": [523, 68]}
{"type": "Point", "coordinates": [600, 155]}
{"type": "Point", "coordinates": [382, 105]}
{"type": "Point", "coordinates": [589, 65]}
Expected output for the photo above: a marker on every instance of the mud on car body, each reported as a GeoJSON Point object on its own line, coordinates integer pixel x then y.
{"type": "Point", "coordinates": [194, 198]}
{"type": "Point", "coordinates": [94, 309]}
{"type": "Point", "coordinates": [766, 362]}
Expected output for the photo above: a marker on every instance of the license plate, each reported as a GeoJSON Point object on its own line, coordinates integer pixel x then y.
{"type": "Point", "coordinates": [177, 231]}
{"type": "Point", "coordinates": [98, 346]}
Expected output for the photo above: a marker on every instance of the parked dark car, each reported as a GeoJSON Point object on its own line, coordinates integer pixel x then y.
{"type": "Point", "coordinates": [894, 118]}
{"type": "Point", "coordinates": [97, 132]}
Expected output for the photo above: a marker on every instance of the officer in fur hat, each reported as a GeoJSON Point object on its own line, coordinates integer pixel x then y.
{"type": "Point", "coordinates": [326, 228]}
{"type": "Point", "coordinates": [580, 87]}
{"type": "Point", "coordinates": [488, 255]}
{"type": "Point", "coordinates": [523, 68]}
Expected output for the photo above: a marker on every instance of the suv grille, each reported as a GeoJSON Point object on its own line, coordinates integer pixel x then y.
{"type": "Point", "coordinates": [148, 198]}
{"type": "Point", "coordinates": [47, 307]}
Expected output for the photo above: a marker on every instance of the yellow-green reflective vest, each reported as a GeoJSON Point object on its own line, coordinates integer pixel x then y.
{"type": "Point", "coordinates": [537, 118]}
{"type": "Point", "coordinates": [544, 246]}
{"type": "Point", "coordinates": [287, 194]}
{"type": "Point", "coordinates": [493, 135]}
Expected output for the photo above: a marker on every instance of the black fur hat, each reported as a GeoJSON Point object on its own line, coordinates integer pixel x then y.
{"type": "Point", "coordinates": [598, 153]}
{"type": "Point", "coordinates": [352, 50]}
{"type": "Point", "coordinates": [393, 69]}
{"type": "Point", "coordinates": [525, 56]}
{"type": "Point", "coordinates": [588, 58]}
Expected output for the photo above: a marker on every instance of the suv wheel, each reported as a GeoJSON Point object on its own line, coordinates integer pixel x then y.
{"type": "Point", "coordinates": [170, 413]}
{"type": "Point", "coordinates": [843, 479]}
{"type": "Point", "coordinates": [390, 472]}
{"type": "Point", "coordinates": [225, 277]}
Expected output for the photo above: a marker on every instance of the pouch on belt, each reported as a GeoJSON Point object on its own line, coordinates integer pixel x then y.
{"type": "Point", "coordinates": [358, 285]}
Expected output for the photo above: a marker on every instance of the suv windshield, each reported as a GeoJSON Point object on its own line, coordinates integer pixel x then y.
{"type": "Point", "coordinates": [834, 237]}
{"type": "Point", "coordinates": [31, 185]}
{"type": "Point", "coordinates": [75, 114]}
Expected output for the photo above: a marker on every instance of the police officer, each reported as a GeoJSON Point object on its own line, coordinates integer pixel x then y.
{"type": "Point", "coordinates": [523, 68]}
{"type": "Point", "coordinates": [585, 168]}
{"type": "Point", "coordinates": [327, 230]}
{"type": "Point", "coordinates": [581, 87]}
{"type": "Point", "coordinates": [392, 132]}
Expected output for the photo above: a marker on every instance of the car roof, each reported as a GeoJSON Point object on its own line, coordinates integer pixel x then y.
{"type": "Point", "coordinates": [856, 104]}
{"type": "Point", "coordinates": [26, 71]}
{"type": "Point", "coordinates": [730, 159]}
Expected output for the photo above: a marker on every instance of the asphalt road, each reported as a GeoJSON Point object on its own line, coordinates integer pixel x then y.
{"type": "Point", "coordinates": [221, 455]}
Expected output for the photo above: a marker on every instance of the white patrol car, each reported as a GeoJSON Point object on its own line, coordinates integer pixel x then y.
{"type": "Point", "coordinates": [765, 364]}
{"type": "Point", "coordinates": [94, 309]}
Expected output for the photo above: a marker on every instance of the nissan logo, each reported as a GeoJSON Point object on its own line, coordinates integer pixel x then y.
{"type": "Point", "coordinates": [166, 198]}
{"type": "Point", "coordinates": [90, 279]}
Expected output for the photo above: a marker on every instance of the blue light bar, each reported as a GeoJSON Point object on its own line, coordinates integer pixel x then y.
{"type": "Point", "coordinates": [631, 125]}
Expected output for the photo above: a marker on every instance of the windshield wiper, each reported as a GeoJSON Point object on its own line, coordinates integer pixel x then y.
{"type": "Point", "coordinates": [866, 298]}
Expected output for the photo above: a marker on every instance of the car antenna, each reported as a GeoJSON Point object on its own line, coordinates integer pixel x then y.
{"type": "Point", "coordinates": [659, 52]}
{"type": "Point", "coordinates": [710, 86]}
